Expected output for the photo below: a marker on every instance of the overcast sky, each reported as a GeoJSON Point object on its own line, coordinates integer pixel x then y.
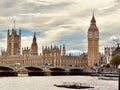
{"type": "Point", "coordinates": [61, 21]}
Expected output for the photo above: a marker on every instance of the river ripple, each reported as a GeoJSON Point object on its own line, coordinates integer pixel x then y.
{"type": "Point", "coordinates": [47, 83]}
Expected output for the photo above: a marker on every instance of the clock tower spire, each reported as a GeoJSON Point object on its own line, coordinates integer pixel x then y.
{"type": "Point", "coordinates": [93, 24]}
{"type": "Point", "coordinates": [93, 43]}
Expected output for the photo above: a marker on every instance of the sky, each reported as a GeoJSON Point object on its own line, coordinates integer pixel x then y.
{"type": "Point", "coordinates": [58, 22]}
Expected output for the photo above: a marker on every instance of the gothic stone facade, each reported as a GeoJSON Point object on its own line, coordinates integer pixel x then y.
{"type": "Point", "coordinates": [93, 43]}
{"type": "Point", "coordinates": [54, 55]}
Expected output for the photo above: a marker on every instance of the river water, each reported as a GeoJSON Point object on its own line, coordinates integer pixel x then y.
{"type": "Point", "coordinates": [47, 83]}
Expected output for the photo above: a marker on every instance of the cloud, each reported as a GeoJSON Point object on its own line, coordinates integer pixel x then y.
{"type": "Point", "coordinates": [60, 21]}
{"type": "Point", "coordinates": [74, 52]}
{"type": "Point", "coordinates": [114, 39]}
{"type": "Point", "coordinates": [2, 35]}
{"type": "Point", "coordinates": [26, 41]}
{"type": "Point", "coordinates": [3, 43]}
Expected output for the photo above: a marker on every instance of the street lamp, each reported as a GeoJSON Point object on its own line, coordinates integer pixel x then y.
{"type": "Point", "coordinates": [16, 66]}
{"type": "Point", "coordinates": [119, 77]}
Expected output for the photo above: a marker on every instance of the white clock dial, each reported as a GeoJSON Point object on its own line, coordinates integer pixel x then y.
{"type": "Point", "coordinates": [90, 35]}
{"type": "Point", "coordinates": [97, 35]}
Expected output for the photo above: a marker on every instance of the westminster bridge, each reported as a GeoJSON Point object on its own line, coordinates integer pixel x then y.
{"type": "Point", "coordinates": [45, 70]}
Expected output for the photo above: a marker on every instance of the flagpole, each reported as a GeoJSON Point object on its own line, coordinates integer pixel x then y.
{"type": "Point", "coordinates": [14, 23]}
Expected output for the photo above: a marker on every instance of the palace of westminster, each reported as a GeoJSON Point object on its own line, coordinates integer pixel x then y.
{"type": "Point", "coordinates": [51, 55]}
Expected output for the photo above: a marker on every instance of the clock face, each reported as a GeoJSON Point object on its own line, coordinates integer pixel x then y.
{"type": "Point", "coordinates": [96, 35]}
{"type": "Point", "coordinates": [90, 35]}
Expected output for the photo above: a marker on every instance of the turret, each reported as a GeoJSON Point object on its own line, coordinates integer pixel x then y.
{"type": "Point", "coordinates": [118, 45]}
{"type": "Point", "coordinates": [42, 48]}
{"type": "Point", "coordinates": [34, 46]}
{"type": "Point", "coordinates": [63, 46]}
{"type": "Point", "coordinates": [63, 53]}
{"type": "Point", "coordinates": [51, 47]}
{"type": "Point", "coordinates": [8, 32]}
{"type": "Point", "coordinates": [20, 32]}
{"type": "Point", "coordinates": [34, 38]}
{"type": "Point", "coordinates": [60, 47]}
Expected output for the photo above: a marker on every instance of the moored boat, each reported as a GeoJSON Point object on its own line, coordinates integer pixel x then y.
{"type": "Point", "coordinates": [74, 85]}
{"type": "Point", "coordinates": [109, 77]}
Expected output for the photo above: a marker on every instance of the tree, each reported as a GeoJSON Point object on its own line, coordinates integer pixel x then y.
{"type": "Point", "coordinates": [115, 61]}
{"type": "Point", "coordinates": [106, 65]}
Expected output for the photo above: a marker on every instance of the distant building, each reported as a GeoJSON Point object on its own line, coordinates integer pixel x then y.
{"type": "Point", "coordinates": [108, 51]}
{"type": "Point", "coordinates": [116, 51]}
{"type": "Point", "coordinates": [103, 59]}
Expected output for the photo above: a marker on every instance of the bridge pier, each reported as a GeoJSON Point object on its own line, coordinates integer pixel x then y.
{"type": "Point", "coordinates": [22, 72]}
{"type": "Point", "coordinates": [67, 73]}
{"type": "Point", "coordinates": [47, 73]}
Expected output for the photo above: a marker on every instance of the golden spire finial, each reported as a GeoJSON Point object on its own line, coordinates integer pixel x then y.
{"type": "Point", "coordinates": [93, 18]}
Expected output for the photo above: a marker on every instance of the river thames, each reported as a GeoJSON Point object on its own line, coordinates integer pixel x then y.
{"type": "Point", "coordinates": [47, 83]}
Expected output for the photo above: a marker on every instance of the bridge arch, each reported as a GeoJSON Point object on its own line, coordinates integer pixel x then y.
{"type": "Point", "coordinates": [76, 71]}
{"type": "Point", "coordinates": [7, 71]}
{"type": "Point", "coordinates": [34, 71]}
{"type": "Point", "coordinates": [57, 71]}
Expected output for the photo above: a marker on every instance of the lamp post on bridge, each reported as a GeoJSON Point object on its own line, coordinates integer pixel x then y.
{"type": "Point", "coordinates": [119, 77]}
{"type": "Point", "coordinates": [17, 65]}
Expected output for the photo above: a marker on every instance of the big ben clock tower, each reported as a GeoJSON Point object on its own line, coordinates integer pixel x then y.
{"type": "Point", "coordinates": [93, 43]}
